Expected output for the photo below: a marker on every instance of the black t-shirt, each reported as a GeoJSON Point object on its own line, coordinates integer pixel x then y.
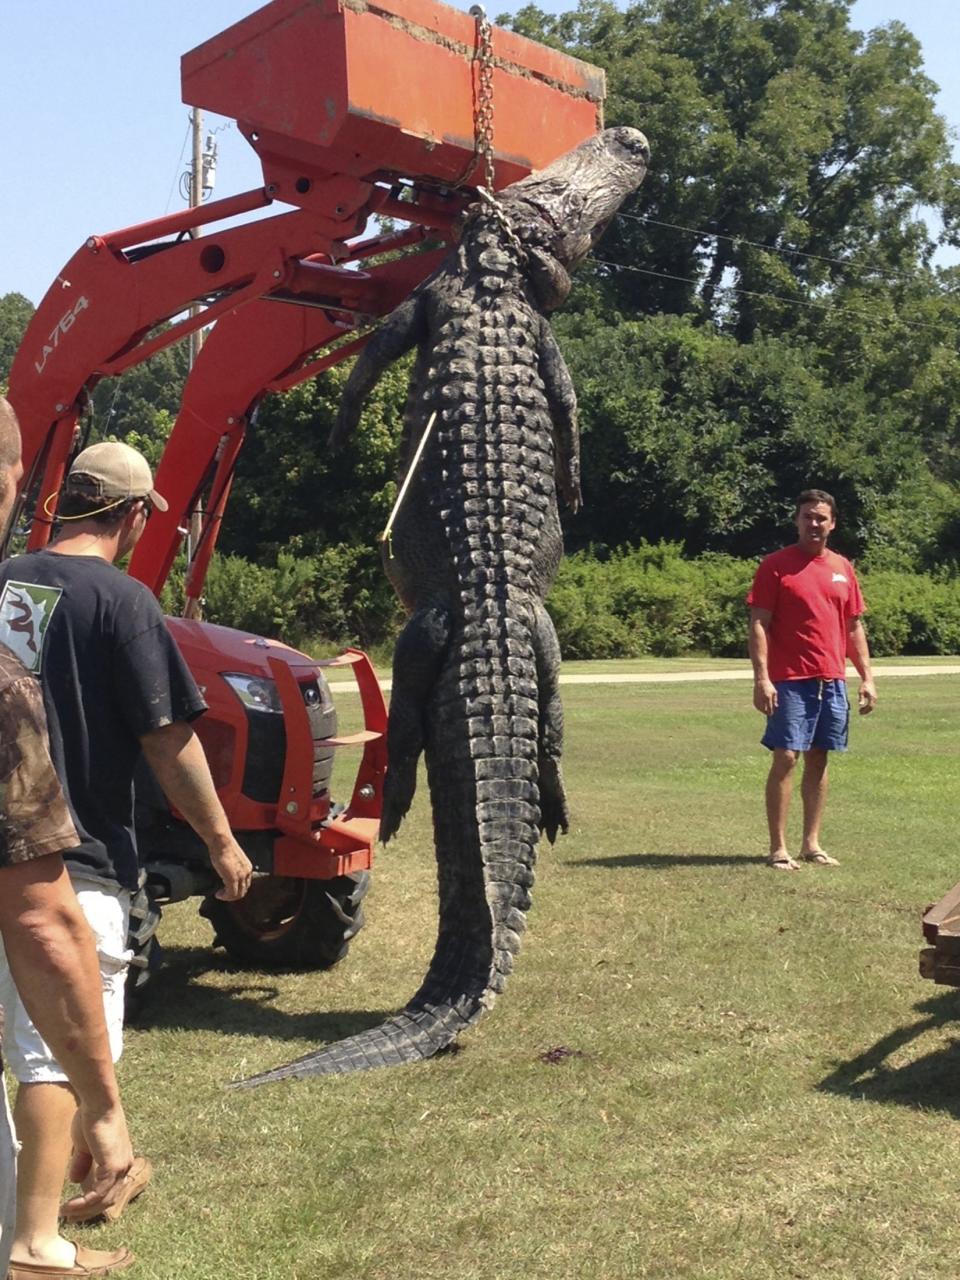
{"type": "Point", "coordinates": [110, 673]}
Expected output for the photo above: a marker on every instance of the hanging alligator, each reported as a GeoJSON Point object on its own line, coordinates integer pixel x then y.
{"type": "Point", "coordinates": [474, 548]}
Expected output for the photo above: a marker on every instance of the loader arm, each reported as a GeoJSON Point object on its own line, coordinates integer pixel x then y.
{"type": "Point", "coordinates": [354, 111]}
{"type": "Point", "coordinates": [253, 350]}
{"type": "Point", "coordinates": [114, 305]}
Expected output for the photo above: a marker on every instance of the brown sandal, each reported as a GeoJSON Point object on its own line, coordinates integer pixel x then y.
{"type": "Point", "coordinates": [781, 861]}
{"type": "Point", "coordinates": [819, 858]}
{"type": "Point", "coordinates": [88, 1262]}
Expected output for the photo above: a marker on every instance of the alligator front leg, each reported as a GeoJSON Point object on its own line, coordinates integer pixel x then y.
{"type": "Point", "coordinates": [403, 330]}
{"type": "Point", "coordinates": [554, 815]}
{"type": "Point", "coordinates": [416, 663]}
{"type": "Point", "coordinates": [562, 400]}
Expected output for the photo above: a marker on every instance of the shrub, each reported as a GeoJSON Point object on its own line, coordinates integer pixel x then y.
{"type": "Point", "coordinates": [644, 600]}
{"type": "Point", "coordinates": [252, 597]}
{"type": "Point", "coordinates": [912, 613]}
{"type": "Point", "coordinates": [651, 600]}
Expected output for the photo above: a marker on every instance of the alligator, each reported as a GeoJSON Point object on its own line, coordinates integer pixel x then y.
{"type": "Point", "coordinates": [472, 553]}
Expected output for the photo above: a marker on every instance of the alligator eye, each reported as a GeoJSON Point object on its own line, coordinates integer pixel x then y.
{"type": "Point", "coordinates": [633, 142]}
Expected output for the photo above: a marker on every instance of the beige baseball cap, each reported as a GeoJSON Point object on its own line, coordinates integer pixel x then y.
{"type": "Point", "coordinates": [112, 469]}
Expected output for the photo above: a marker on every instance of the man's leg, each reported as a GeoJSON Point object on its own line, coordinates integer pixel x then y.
{"type": "Point", "coordinates": [42, 1115]}
{"type": "Point", "coordinates": [8, 1178]}
{"type": "Point", "coordinates": [833, 720]}
{"type": "Point", "coordinates": [778, 791]}
{"type": "Point", "coordinates": [813, 790]}
{"type": "Point", "coordinates": [46, 1105]}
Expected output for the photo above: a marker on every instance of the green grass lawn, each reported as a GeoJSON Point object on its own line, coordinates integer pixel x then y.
{"type": "Point", "coordinates": [757, 1084]}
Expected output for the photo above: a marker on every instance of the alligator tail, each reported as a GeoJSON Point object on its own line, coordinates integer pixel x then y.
{"type": "Point", "coordinates": [486, 825]}
{"type": "Point", "coordinates": [488, 477]}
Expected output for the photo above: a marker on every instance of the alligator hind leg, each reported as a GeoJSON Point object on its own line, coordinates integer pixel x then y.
{"type": "Point", "coordinates": [417, 659]}
{"type": "Point", "coordinates": [554, 815]}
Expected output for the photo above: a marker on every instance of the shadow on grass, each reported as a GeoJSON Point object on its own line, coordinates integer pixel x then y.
{"type": "Point", "coordinates": [927, 1082]}
{"type": "Point", "coordinates": [661, 861]}
{"type": "Point", "coordinates": [175, 1001]}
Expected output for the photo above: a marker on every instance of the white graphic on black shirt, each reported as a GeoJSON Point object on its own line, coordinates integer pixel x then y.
{"type": "Point", "coordinates": [25, 613]}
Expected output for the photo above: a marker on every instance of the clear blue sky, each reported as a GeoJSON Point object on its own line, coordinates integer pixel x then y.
{"type": "Point", "coordinates": [93, 124]}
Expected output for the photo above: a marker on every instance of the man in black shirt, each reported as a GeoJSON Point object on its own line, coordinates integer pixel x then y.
{"type": "Point", "coordinates": [44, 935]}
{"type": "Point", "coordinates": [114, 684]}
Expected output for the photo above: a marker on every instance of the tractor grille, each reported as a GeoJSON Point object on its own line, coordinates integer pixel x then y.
{"type": "Point", "coordinates": [267, 747]}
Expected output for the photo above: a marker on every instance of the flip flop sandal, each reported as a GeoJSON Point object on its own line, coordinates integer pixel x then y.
{"type": "Point", "coordinates": [89, 1262]}
{"type": "Point", "coordinates": [782, 862]}
{"type": "Point", "coordinates": [820, 859]}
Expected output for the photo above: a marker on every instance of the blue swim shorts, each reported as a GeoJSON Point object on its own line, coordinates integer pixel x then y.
{"type": "Point", "coordinates": [810, 713]}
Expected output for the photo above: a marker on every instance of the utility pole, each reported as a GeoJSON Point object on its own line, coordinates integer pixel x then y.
{"type": "Point", "coordinates": [196, 197]}
{"type": "Point", "coordinates": [192, 606]}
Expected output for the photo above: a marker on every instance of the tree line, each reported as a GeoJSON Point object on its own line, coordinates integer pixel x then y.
{"type": "Point", "coordinates": [766, 313]}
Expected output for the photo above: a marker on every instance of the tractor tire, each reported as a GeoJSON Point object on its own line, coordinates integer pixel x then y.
{"type": "Point", "coordinates": [290, 923]}
{"type": "Point", "coordinates": [142, 941]}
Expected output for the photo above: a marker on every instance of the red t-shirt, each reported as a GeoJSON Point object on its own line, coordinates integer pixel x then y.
{"type": "Point", "coordinates": [811, 598]}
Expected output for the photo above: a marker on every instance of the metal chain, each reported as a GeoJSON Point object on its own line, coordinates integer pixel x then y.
{"type": "Point", "coordinates": [490, 201]}
{"type": "Point", "coordinates": [483, 124]}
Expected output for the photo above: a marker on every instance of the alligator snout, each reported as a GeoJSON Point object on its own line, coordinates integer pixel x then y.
{"type": "Point", "coordinates": [632, 141]}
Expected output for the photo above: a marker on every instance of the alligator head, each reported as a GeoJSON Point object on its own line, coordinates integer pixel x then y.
{"type": "Point", "coordinates": [559, 213]}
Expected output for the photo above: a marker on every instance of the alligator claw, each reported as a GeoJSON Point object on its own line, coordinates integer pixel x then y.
{"type": "Point", "coordinates": [554, 813]}
{"type": "Point", "coordinates": [398, 791]}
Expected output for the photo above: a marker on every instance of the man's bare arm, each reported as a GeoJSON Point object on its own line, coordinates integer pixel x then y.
{"type": "Point", "coordinates": [758, 646]}
{"type": "Point", "coordinates": [53, 961]}
{"type": "Point", "coordinates": [858, 651]}
{"type": "Point", "coordinates": [176, 757]}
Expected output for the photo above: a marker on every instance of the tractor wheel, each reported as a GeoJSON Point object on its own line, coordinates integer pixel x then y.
{"type": "Point", "coordinates": [289, 923]}
{"type": "Point", "coordinates": [142, 941]}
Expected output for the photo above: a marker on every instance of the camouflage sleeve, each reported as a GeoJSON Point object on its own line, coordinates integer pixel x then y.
{"type": "Point", "coordinates": [34, 818]}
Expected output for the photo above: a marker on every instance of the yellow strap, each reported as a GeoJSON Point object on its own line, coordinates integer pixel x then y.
{"type": "Point", "coordinates": [48, 509]}
{"type": "Point", "coordinates": [387, 535]}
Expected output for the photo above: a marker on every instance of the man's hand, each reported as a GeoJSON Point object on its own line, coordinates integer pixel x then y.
{"type": "Point", "coordinates": [176, 757]}
{"type": "Point", "coordinates": [867, 697]}
{"type": "Point", "coordinates": [102, 1157]}
{"type": "Point", "coordinates": [765, 697]}
{"type": "Point", "coordinates": [233, 867]}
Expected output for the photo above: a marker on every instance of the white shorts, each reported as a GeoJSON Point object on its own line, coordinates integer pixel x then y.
{"type": "Point", "coordinates": [107, 908]}
{"type": "Point", "coordinates": [8, 1179]}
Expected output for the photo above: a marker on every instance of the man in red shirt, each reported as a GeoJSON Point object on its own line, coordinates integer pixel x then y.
{"type": "Point", "coordinates": [805, 621]}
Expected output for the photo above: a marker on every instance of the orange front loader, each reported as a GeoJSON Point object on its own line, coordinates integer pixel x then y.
{"type": "Point", "coordinates": [355, 112]}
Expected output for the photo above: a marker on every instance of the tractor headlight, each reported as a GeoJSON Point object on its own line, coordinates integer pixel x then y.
{"type": "Point", "coordinates": [255, 692]}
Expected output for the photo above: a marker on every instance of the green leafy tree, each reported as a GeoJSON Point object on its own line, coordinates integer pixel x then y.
{"type": "Point", "coordinates": [802, 147]}
{"type": "Point", "coordinates": [692, 435]}
{"type": "Point", "coordinates": [292, 494]}
{"type": "Point", "coordinates": [15, 314]}
{"type": "Point", "coordinates": [141, 405]}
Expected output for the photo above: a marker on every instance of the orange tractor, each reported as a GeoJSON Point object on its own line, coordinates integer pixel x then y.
{"type": "Point", "coordinates": [357, 113]}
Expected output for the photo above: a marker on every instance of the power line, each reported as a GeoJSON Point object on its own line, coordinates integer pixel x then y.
{"type": "Point", "coordinates": [177, 170]}
{"type": "Point", "coordinates": [775, 297]}
{"type": "Point", "coordinates": [756, 244]}
{"type": "Point", "coordinates": [718, 235]}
